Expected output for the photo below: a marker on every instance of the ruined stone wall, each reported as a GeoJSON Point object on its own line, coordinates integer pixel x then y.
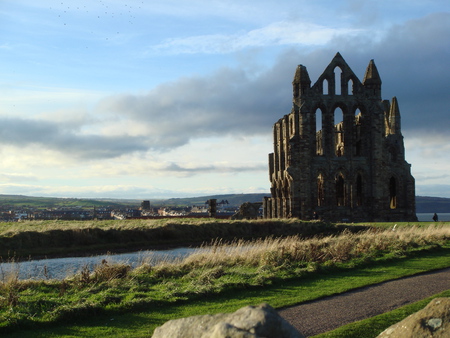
{"type": "Point", "coordinates": [339, 154]}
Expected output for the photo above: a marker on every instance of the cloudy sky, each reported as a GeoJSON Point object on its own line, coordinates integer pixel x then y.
{"type": "Point", "coordinates": [164, 98]}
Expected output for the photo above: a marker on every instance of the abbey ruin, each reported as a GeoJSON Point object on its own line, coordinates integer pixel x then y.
{"type": "Point", "coordinates": [339, 155]}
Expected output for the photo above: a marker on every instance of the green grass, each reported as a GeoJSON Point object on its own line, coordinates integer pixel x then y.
{"type": "Point", "coordinates": [245, 268]}
{"type": "Point", "coordinates": [280, 271]}
{"type": "Point", "coordinates": [280, 294]}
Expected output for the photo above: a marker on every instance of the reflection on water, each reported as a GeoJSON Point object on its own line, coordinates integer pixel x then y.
{"type": "Point", "coordinates": [59, 268]}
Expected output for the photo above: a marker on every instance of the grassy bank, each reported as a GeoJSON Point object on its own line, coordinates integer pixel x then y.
{"type": "Point", "coordinates": [47, 238]}
{"type": "Point", "coordinates": [225, 277]}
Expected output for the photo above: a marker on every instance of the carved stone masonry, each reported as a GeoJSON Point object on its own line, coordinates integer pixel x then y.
{"type": "Point", "coordinates": [339, 155]}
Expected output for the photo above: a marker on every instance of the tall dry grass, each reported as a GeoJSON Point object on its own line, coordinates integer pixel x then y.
{"type": "Point", "coordinates": [339, 248]}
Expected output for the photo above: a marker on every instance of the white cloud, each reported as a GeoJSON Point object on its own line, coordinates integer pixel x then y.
{"type": "Point", "coordinates": [275, 34]}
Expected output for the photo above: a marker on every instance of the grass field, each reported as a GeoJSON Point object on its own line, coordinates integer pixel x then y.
{"type": "Point", "coordinates": [280, 271]}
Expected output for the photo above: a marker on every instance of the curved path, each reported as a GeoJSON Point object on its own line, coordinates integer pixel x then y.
{"type": "Point", "coordinates": [329, 313]}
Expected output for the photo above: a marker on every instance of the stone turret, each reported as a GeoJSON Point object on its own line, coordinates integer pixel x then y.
{"type": "Point", "coordinates": [301, 81]}
{"type": "Point", "coordinates": [372, 79]}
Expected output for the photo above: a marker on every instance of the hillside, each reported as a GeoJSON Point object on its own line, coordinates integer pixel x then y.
{"type": "Point", "coordinates": [424, 204]}
{"type": "Point", "coordinates": [233, 199]}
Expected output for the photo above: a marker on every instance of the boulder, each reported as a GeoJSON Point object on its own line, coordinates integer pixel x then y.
{"type": "Point", "coordinates": [431, 321]}
{"type": "Point", "coordinates": [247, 322]}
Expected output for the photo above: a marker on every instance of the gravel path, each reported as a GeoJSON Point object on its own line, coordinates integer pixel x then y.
{"type": "Point", "coordinates": [329, 313]}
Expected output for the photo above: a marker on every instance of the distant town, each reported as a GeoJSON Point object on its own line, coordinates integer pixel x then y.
{"type": "Point", "coordinates": [16, 208]}
{"type": "Point", "coordinates": [10, 213]}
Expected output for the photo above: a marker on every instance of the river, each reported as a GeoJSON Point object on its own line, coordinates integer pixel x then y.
{"type": "Point", "coordinates": [59, 268]}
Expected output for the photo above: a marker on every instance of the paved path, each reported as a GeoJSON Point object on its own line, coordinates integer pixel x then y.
{"type": "Point", "coordinates": [329, 313]}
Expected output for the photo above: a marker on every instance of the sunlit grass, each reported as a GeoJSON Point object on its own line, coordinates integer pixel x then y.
{"type": "Point", "coordinates": [211, 270]}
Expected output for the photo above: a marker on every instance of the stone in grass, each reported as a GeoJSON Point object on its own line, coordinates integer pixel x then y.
{"type": "Point", "coordinates": [247, 322]}
{"type": "Point", "coordinates": [431, 321]}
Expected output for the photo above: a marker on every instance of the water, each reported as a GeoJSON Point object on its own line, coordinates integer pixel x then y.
{"type": "Point", "coordinates": [59, 268]}
{"type": "Point", "coordinates": [428, 217]}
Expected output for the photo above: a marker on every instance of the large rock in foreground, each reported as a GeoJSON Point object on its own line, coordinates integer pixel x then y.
{"type": "Point", "coordinates": [247, 322]}
{"type": "Point", "coordinates": [431, 321]}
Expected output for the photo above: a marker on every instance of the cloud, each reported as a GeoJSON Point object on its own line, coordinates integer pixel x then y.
{"type": "Point", "coordinates": [58, 137]}
{"type": "Point", "coordinates": [241, 101]}
{"type": "Point", "coordinates": [412, 61]}
{"type": "Point", "coordinates": [13, 177]}
{"type": "Point", "coordinates": [227, 102]}
{"type": "Point", "coordinates": [274, 34]}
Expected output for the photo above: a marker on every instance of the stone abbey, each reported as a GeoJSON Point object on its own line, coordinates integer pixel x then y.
{"type": "Point", "coordinates": [339, 154]}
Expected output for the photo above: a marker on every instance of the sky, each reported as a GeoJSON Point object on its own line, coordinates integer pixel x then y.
{"type": "Point", "coordinates": [160, 99]}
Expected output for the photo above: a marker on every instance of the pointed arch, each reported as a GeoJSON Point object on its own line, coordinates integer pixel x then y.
{"type": "Point", "coordinates": [319, 132]}
{"type": "Point", "coordinates": [357, 132]}
{"type": "Point", "coordinates": [393, 193]}
{"type": "Point", "coordinates": [337, 80]}
{"type": "Point", "coordinates": [320, 190]}
{"type": "Point", "coordinates": [350, 84]}
{"type": "Point", "coordinates": [325, 87]}
{"type": "Point", "coordinates": [340, 190]}
{"type": "Point", "coordinates": [338, 132]}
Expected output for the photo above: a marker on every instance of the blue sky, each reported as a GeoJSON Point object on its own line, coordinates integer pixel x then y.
{"type": "Point", "coordinates": [156, 99]}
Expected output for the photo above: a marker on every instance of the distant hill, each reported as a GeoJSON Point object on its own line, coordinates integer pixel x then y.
{"type": "Point", "coordinates": [424, 204]}
{"type": "Point", "coordinates": [53, 202]}
{"type": "Point", "coordinates": [233, 199]}
{"type": "Point", "coordinates": [432, 204]}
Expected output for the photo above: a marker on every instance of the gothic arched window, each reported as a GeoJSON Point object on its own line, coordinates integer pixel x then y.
{"type": "Point", "coordinates": [338, 132]}
{"type": "Point", "coordinates": [319, 133]}
{"type": "Point", "coordinates": [340, 190]}
{"type": "Point", "coordinates": [320, 191]}
{"type": "Point", "coordinates": [392, 193]}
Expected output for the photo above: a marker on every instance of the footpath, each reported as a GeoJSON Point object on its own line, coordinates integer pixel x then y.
{"type": "Point", "coordinates": [329, 313]}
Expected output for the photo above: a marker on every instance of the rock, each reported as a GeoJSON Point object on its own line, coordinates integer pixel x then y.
{"type": "Point", "coordinates": [247, 322]}
{"type": "Point", "coordinates": [431, 321]}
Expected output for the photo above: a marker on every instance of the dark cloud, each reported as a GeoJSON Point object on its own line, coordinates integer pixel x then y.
{"type": "Point", "coordinates": [228, 102]}
{"type": "Point", "coordinates": [413, 63]}
{"type": "Point", "coordinates": [51, 135]}
{"type": "Point", "coordinates": [412, 60]}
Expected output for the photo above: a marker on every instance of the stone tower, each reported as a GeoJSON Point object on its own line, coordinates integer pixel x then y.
{"type": "Point", "coordinates": [339, 154]}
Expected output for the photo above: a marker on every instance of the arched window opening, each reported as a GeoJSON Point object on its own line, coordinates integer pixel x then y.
{"type": "Point", "coordinates": [320, 191]}
{"type": "Point", "coordinates": [340, 191]}
{"type": "Point", "coordinates": [339, 132]}
{"type": "Point", "coordinates": [359, 190]}
{"type": "Point", "coordinates": [350, 87]}
{"type": "Point", "coordinates": [319, 132]}
{"type": "Point", "coordinates": [337, 81]}
{"type": "Point", "coordinates": [393, 193]}
{"type": "Point", "coordinates": [325, 87]}
{"type": "Point", "coordinates": [357, 133]}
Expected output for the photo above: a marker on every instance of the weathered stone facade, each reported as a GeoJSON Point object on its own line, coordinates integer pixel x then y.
{"type": "Point", "coordinates": [339, 155]}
